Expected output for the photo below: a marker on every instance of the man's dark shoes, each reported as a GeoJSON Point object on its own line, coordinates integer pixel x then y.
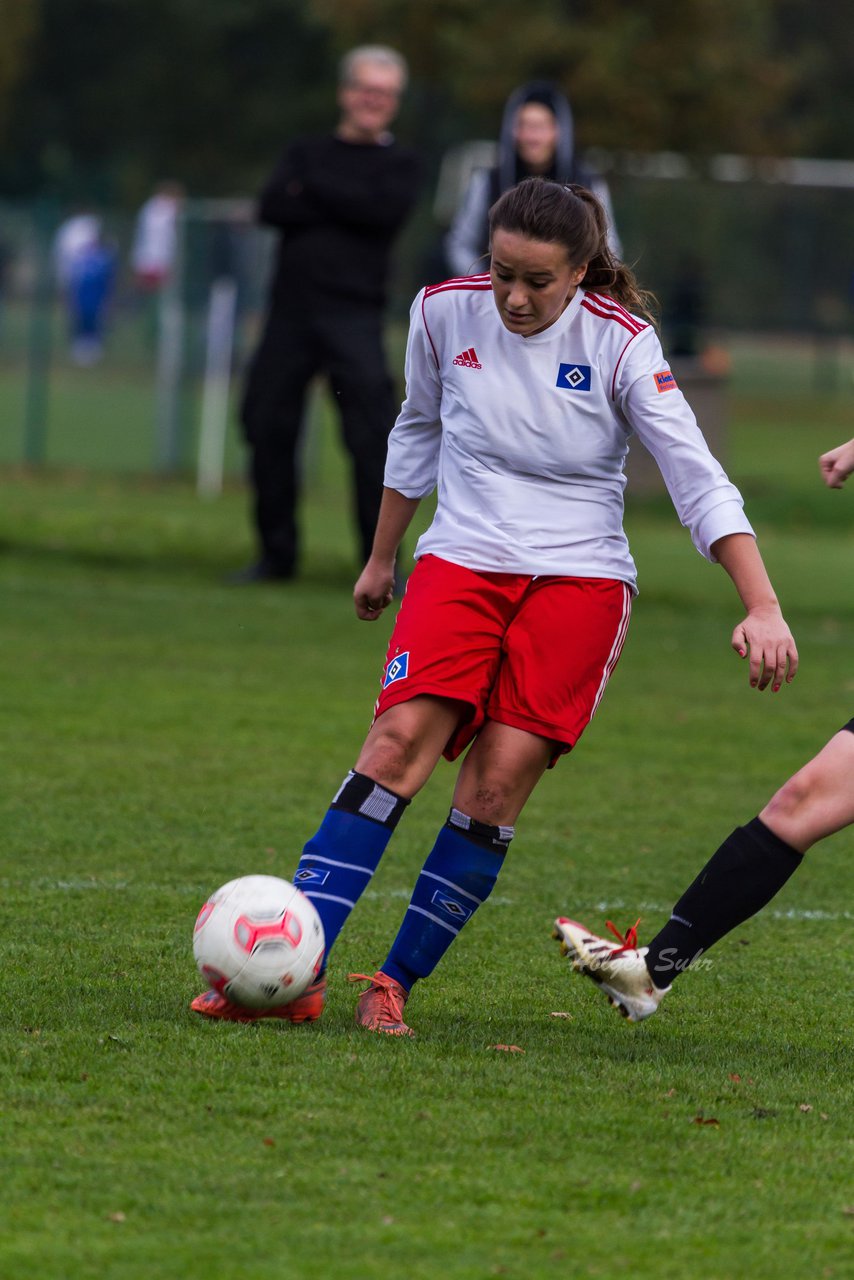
{"type": "Point", "coordinates": [260, 571]}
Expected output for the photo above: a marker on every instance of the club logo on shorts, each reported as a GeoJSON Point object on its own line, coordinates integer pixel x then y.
{"type": "Point", "coordinates": [397, 669]}
{"type": "Point", "coordinates": [573, 377]}
{"type": "Point", "coordinates": [664, 381]}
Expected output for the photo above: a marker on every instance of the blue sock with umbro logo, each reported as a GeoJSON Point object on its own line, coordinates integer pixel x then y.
{"type": "Point", "coordinates": [457, 877]}
{"type": "Point", "coordinates": [337, 863]}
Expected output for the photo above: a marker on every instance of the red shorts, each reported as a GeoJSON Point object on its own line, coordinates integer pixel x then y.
{"type": "Point", "coordinates": [532, 652]}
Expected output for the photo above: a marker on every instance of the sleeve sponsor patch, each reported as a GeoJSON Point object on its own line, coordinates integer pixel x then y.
{"type": "Point", "coordinates": [664, 381]}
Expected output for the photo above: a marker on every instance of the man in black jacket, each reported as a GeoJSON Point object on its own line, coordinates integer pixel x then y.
{"type": "Point", "coordinates": [338, 202]}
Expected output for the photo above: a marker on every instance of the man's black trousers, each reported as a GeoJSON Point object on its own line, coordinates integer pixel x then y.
{"type": "Point", "coordinates": [344, 341]}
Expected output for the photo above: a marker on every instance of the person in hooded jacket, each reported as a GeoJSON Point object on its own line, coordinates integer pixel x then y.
{"type": "Point", "coordinates": [537, 140]}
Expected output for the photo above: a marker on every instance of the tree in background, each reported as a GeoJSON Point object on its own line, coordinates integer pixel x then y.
{"type": "Point", "coordinates": [20, 22]}
{"type": "Point", "coordinates": [693, 75]}
{"type": "Point", "coordinates": [119, 95]}
{"type": "Point", "coordinates": [823, 98]}
{"type": "Point", "coordinates": [103, 98]}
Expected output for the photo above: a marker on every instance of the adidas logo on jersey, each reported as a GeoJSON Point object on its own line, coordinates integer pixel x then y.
{"type": "Point", "coordinates": [468, 359]}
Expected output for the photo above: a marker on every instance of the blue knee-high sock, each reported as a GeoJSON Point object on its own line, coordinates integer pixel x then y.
{"type": "Point", "coordinates": [457, 877]}
{"type": "Point", "coordinates": [338, 861]}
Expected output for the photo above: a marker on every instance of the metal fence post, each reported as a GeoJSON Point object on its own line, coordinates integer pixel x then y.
{"type": "Point", "coordinates": [171, 327]}
{"type": "Point", "coordinates": [39, 337]}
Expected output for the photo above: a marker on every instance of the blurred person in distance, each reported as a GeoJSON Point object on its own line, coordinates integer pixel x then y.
{"type": "Point", "coordinates": [537, 139]}
{"type": "Point", "coordinates": [73, 236]}
{"type": "Point", "coordinates": [84, 267]}
{"type": "Point", "coordinates": [90, 287]}
{"type": "Point", "coordinates": [155, 237]}
{"type": "Point", "coordinates": [338, 201]}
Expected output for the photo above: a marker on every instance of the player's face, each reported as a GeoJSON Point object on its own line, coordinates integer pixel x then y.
{"type": "Point", "coordinates": [369, 101]}
{"type": "Point", "coordinates": [535, 135]}
{"type": "Point", "coordinates": [532, 281]}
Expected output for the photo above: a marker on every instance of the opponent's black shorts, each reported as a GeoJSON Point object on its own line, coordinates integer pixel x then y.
{"type": "Point", "coordinates": [849, 726]}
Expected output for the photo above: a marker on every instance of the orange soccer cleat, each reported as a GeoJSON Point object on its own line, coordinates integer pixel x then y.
{"type": "Point", "coordinates": [306, 1008]}
{"type": "Point", "coordinates": [380, 1007]}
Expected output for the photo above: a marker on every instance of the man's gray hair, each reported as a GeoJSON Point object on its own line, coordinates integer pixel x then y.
{"type": "Point", "coordinates": [380, 54]}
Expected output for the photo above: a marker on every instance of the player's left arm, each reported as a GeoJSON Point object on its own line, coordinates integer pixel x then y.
{"type": "Point", "coordinates": [709, 504]}
{"type": "Point", "coordinates": [763, 634]}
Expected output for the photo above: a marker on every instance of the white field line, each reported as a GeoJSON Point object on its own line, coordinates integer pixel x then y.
{"type": "Point", "coordinates": [791, 913]}
{"type": "Point", "coordinates": [110, 586]}
{"type": "Point", "coordinates": [803, 914]}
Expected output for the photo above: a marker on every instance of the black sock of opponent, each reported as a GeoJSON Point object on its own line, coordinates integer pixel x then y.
{"type": "Point", "coordinates": [749, 868]}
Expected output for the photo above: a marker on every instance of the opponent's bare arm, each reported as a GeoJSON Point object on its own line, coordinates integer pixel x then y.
{"type": "Point", "coordinates": [764, 633]}
{"type": "Point", "coordinates": [837, 465]}
{"type": "Point", "coordinates": [374, 589]}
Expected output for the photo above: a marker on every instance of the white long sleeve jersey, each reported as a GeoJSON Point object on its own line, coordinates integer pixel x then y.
{"type": "Point", "coordinates": [526, 438]}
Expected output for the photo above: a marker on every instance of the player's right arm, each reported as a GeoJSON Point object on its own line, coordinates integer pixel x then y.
{"type": "Point", "coordinates": [375, 588]}
{"type": "Point", "coordinates": [414, 445]}
{"type": "Point", "coordinates": [837, 465]}
{"type": "Point", "coordinates": [411, 470]}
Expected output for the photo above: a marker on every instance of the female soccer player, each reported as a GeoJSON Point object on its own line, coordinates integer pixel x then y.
{"type": "Point", "coordinates": [742, 877]}
{"type": "Point", "coordinates": [523, 388]}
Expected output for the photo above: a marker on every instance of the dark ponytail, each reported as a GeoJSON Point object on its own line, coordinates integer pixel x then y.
{"type": "Point", "coordinates": [571, 215]}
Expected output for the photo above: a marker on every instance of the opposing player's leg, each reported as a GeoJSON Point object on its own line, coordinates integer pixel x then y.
{"type": "Point", "coordinates": [618, 968]}
{"type": "Point", "coordinates": [819, 799]}
{"type": "Point", "coordinates": [756, 860]}
{"type": "Point", "coordinates": [742, 876]}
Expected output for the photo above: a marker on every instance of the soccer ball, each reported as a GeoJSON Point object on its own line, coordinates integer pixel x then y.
{"type": "Point", "coordinates": [258, 941]}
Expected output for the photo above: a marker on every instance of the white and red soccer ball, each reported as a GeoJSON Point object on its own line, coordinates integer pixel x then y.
{"type": "Point", "coordinates": [258, 941]}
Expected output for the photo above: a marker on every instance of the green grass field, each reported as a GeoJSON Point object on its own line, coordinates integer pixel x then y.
{"type": "Point", "coordinates": [163, 733]}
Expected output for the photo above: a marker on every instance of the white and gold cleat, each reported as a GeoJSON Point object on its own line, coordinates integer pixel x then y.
{"type": "Point", "coordinates": [619, 968]}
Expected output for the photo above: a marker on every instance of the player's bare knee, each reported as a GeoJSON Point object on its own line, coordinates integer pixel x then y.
{"type": "Point", "coordinates": [388, 755]}
{"type": "Point", "coordinates": [793, 798]}
{"type": "Point", "coordinates": [490, 800]}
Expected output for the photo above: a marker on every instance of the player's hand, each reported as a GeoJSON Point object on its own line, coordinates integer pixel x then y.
{"type": "Point", "coordinates": [837, 465]}
{"type": "Point", "coordinates": [765, 638]}
{"type": "Point", "coordinates": [374, 590]}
